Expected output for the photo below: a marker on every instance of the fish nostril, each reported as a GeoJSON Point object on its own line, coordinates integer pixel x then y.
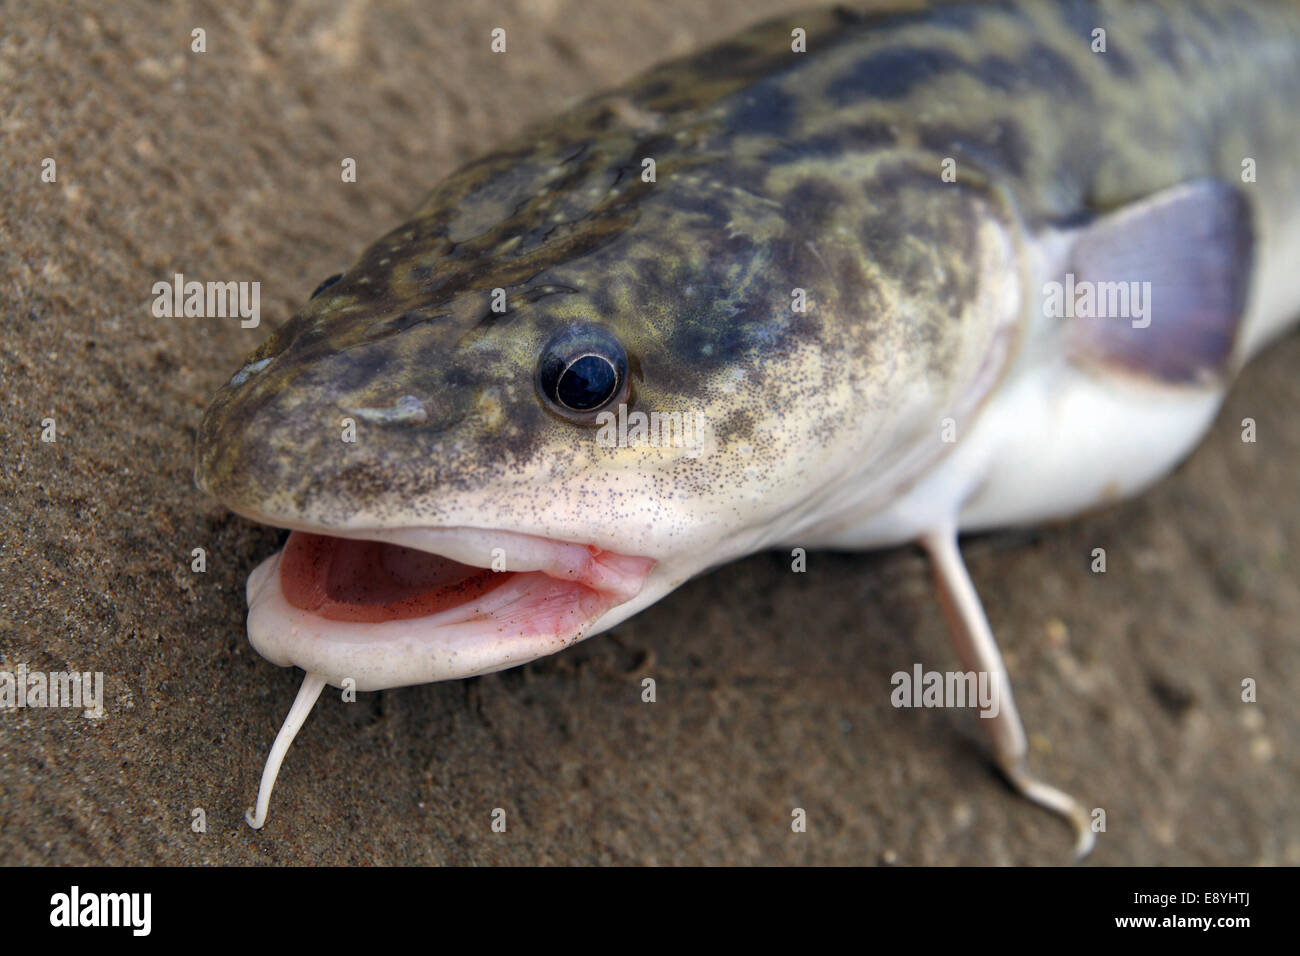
{"type": "Point", "coordinates": [327, 283]}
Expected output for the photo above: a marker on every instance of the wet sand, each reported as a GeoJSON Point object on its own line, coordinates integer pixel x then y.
{"type": "Point", "coordinates": [773, 688]}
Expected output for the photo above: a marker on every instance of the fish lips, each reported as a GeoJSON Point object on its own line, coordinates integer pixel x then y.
{"type": "Point", "coordinates": [375, 628]}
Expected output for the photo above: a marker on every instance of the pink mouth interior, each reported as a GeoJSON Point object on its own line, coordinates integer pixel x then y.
{"type": "Point", "coordinates": [348, 579]}
{"type": "Point", "coordinates": [344, 579]}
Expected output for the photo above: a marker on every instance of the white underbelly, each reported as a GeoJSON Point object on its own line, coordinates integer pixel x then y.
{"type": "Point", "coordinates": [1053, 441]}
{"type": "Point", "coordinates": [1063, 440]}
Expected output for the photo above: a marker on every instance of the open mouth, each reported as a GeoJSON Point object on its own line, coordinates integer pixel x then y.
{"type": "Point", "coordinates": [369, 581]}
{"type": "Point", "coordinates": [392, 607]}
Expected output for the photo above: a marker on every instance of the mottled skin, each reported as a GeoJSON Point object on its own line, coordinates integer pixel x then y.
{"type": "Point", "coordinates": [775, 170]}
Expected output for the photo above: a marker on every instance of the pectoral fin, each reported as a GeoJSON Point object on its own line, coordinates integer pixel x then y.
{"type": "Point", "coordinates": [1159, 287]}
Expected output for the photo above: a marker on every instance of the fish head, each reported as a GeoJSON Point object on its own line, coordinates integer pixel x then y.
{"type": "Point", "coordinates": [563, 389]}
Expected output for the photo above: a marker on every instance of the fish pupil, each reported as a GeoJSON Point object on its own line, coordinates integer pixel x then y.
{"type": "Point", "coordinates": [587, 383]}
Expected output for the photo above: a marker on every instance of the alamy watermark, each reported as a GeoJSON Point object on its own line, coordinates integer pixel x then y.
{"type": "Point", "coordinates": [922, 688]}
{"type": "Point", "coordinates": [133, 911]}
{"type": "Point", "coordinates": [689, 430]}
{"type": "Point", "coordinates": [23, 687]}
{"type": "Point", "coordinates": [1085, 299]}
{"type": "Point", "coordinates": [208, 300]}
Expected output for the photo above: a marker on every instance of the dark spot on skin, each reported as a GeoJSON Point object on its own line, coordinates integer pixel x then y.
{"type": "Point", "coordinates": [992, 147]}
{"type": "Point", "coordinates": [1243, 21]}
{"type": "Point", "coordinates": [850, 279]}
{"type": "Point", "coordinates": [1116, 61]}
{"type": "Point", "coordinates": [727, 57]}
{"type": "Point", "coordinates": [812, 203]}
{"type": "Point", "coordinates": [878, 235]}
{"type": "Point", "coordinates": [738, 425]}
{"type": "Point", "coordinates": [652, 270]}
{"type": "Point", "coordinates": [892, 73]}
{"type": "Point", "coordinates": [1048, 69]}
{"type": "Point", "coordinates": [999, 73]}
{"type": "Point", "coordinates": [362, 367]}
{"type": "Point", "coordinates": [1038, 70]}
{"type": "Point", "coordinates": [654, 146]}
{"type": "Point", "coordinates": [656, 89]}
{"type": "Point", "coordinates": [765, 108]}
{"type": "Point", "coordinates": [859, 137]}
{"type": "Point", "coordinates": [606, 119]}
{"type": "Point", "coordinates": [1081, 17]}
{"type": "Point", "coordinates": [458, 376]}
{"type": "Point", "coordinates": [738, 311]}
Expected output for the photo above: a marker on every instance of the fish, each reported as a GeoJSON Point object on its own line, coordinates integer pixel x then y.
{"type": "Point", "coordinates": [848, 280]}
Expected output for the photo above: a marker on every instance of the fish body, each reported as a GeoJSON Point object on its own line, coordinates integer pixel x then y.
{"type": "Point", "coordinates": [822, 253]}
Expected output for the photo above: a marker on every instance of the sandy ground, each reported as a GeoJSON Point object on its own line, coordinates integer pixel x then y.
{"type": "Point", "coordinates": [773, 688]}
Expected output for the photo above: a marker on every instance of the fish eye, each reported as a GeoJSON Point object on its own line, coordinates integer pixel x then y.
{"type": "Point", "coordinates": [327, 283]}
{"type": "Point", "coordinates": [581, 370]}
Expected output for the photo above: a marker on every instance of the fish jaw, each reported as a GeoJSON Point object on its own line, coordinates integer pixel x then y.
{"type": "Point", "coordinates": [545, 596]}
